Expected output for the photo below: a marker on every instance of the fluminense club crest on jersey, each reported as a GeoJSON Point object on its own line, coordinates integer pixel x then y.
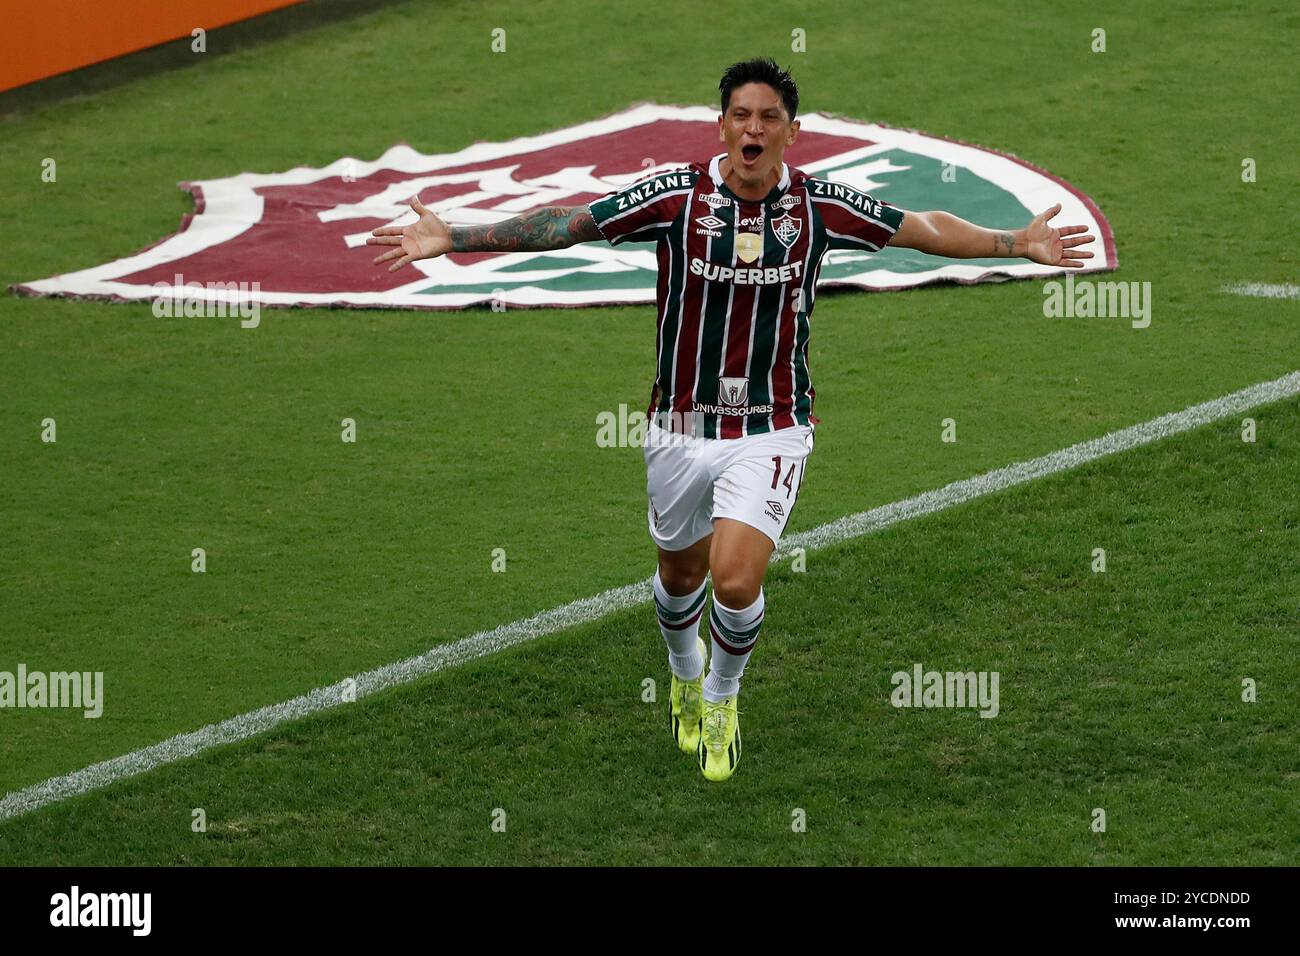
{"type": "Point", "coordinates": [297, 238]}
{"type": "Point", "coordinates": [787, 229]}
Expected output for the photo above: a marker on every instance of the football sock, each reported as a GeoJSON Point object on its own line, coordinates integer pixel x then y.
{"type": "Point", "coordinates": [679, 622]}
{"type": "Point", "coordinates": [734, 635]}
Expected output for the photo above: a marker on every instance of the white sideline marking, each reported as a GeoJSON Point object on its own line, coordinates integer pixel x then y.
{"type": "Point", "coordinates": [590, 609]}
{"type": "Point", "coordinates": [1263, 290]}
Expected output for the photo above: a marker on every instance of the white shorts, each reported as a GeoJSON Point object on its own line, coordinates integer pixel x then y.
{"type": "Point", "coordinates": [691, 481]}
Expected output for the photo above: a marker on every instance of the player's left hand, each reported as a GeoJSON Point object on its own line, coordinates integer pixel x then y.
{"type": "Point", "coordinates": [1055, 247]}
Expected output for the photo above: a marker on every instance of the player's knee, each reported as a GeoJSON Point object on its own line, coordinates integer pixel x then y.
{"type": "Point", "coordinates": [734, 588]}
{"type": "Point", "coordinates": [682, 577]}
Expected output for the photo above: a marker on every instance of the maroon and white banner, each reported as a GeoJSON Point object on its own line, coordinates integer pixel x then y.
{"type": "Point", "coordinates": [297, 238]}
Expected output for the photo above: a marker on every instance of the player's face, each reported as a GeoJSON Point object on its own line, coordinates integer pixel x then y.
{"type": "Point", "coordinates": [756, 129]}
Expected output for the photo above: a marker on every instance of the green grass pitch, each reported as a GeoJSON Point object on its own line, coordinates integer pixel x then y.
{"type": "Point", "coordinates": [1119, 690]}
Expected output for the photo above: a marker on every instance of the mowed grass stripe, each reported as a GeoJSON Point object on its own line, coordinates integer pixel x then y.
{"type": "Point", "coordinates": [259, 721]}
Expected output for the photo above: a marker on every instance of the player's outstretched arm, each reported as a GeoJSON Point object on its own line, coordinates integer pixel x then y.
{"type": "Point", "coordinates": [550, 227]}
{"type": "Point", "coordinates": [943, 234]}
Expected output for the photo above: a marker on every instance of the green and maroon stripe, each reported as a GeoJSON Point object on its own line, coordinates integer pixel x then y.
{"type": "Point", "coordinates": [680, 620]}
{"type": "Point", "coordinates": [735, 642]}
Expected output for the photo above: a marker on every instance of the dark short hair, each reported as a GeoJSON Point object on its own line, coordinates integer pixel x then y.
{"type": "Point", "coordinates": [761, 69]}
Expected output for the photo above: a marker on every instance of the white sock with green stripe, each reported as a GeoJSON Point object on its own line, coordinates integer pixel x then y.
{"type": "Point", "coordinates": [734, 634]}
{"type": "Point", "coordinates": [679, 622]}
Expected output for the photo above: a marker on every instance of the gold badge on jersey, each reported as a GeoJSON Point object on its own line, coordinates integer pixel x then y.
{"type": "Point", "coordinates": [749, 246]}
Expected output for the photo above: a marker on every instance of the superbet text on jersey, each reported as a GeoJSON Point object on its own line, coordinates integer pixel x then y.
{"type": "Point", "coordinates": [736, 288]}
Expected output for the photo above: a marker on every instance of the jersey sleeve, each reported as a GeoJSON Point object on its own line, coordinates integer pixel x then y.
{"type": "Point", "coordinates": [853, 219]}
{"type": "Point", "coordinates": [645, 210]}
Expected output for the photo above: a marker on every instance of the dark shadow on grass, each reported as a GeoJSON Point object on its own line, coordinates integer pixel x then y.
{"type": "Point", "coordinates": [176, 54]}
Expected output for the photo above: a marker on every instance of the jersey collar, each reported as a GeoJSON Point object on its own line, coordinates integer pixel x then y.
{"type": "Point", "coordinates": [715, 173]}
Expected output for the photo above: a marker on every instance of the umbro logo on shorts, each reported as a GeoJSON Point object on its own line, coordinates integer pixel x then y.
{"type": "Point", "coordinates": [775, 506]}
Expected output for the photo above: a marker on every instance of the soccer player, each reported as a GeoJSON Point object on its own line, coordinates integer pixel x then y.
{"type": "Point", "coordinates": [739, 241]}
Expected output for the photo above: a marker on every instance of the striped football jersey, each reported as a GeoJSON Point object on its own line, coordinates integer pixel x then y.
{"type": "Point", "coordinates": [736, 288]}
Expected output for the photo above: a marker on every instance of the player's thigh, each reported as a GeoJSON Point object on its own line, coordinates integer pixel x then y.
{"type": "Point", "coordinates": [759, 482]}
{"type": "Point", "coordinates": [679, 487]}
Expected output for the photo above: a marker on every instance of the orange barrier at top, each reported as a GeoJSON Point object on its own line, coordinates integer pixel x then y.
{"type": "Point", "coordinates": [40, 38]}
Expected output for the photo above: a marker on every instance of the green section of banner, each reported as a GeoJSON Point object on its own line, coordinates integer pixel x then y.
{"type": "Point", "coordinates": [531, 264]}
{"type": "Point", "coordinates": [922, 186]}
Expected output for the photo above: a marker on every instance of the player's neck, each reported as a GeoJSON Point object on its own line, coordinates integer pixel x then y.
{"type": "Point", "coordinates": [756, 192]}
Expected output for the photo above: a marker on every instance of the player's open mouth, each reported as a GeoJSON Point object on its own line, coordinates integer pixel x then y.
{"type": "Point", "coordinates": [751, 154]}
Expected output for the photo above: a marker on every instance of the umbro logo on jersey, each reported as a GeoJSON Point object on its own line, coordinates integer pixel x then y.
{"type": "Point", "coordinates": [710, 226]}
{"type": "Point", "coordinates": [715, 200]}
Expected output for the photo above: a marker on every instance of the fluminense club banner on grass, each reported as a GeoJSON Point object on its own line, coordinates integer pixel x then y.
{"type": "Point", "coordinates": [297, 238]}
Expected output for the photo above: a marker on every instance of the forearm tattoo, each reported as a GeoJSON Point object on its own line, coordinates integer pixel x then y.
{"type": "Point", "coordinates": [551, 227]}
{"type": "Point", "coordinates": [1004, 242]}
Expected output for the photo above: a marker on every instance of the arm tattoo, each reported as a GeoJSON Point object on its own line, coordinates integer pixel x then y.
{"type": "Point", "coordinates": [1003, 242]}
{"type": "Point", "coordinates": [551, 227]}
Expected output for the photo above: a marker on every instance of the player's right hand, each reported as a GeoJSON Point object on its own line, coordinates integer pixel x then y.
{"type": "Point", "coordinates": [425, 238]}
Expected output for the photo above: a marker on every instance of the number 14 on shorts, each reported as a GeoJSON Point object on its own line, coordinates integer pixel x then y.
{"type": "Point", "coordinates": [789, 478]}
